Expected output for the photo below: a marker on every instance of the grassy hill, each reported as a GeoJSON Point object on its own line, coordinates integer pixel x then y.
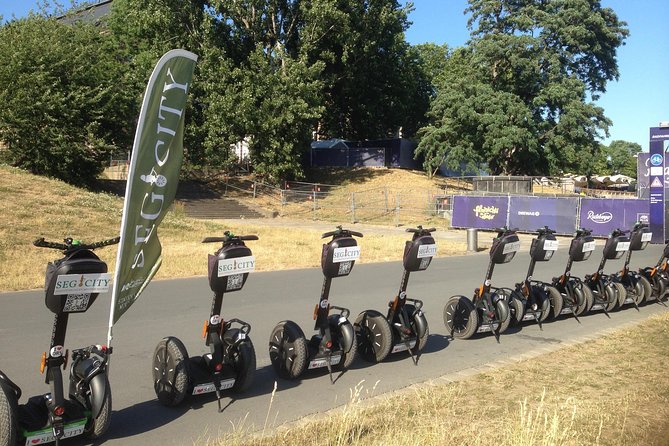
{"type": "Point", "coordinates": [34, 207]}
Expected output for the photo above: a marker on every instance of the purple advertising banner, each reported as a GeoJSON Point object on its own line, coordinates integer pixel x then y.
{"type": "Point", "coordinates": [531, 213]}
{"type": "Point", "coordinates": [479, 212]}
{"type": "Point", "coordinates": [602, 215]}
{"type": "Point", "coordinates": [636, 210]}
{"type": "Point", "coordinates": [605, 215]}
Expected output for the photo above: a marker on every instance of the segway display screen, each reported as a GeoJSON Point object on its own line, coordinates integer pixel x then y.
{"type": "Point", "coordinates": [73, 283]}
{"type": "Point", "coordinates": [504, 248]}
{"type": "Point", "coordinates": [615, 247]}
{"type": "Point", "coordinates": [229, 268]}
{"type": "Point", "coordinates": [543, 247]}
{"type": "Point", "coordinates": [581, 248]}
{"type": "Point", "coordinates": [418, 253]}
{"type": "Point", "coordinates": [339, 256]}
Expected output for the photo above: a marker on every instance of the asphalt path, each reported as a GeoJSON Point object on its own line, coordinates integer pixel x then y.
{"type": "Point", "coordinates": [179, 307]}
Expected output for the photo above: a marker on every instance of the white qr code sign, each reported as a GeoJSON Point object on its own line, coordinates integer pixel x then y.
{"type": "Point", "coordinates": [235, 282]}
{"type": "Point", "coordinates": [76, 302]}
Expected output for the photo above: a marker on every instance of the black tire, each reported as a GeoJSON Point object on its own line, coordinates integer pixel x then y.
{"type": "Point", "coordinates": [170, 371]}
{"type": "Point", "coordinates": [647, 289]}
{"type": "Point", "coordinates": [588, 298]}
{"type": "Point", "coordinates": [8, 416]}
{"type": "Point", "coordinates": [98, 426]}
{"type": "Point", "coordinates": [611, 297]}
{"type": "Point", "coordinates": [288, 350]}
{"type": "Point", "coordinates": [460, 317]}
{"type": "Point", "coordinates": [517, 308]}
{"type": "Point", "coordinates": [621, 293]}
{"type": "Point", "coordinates": [374, 336]}
{"type": "Point", "coordinates": [422, 341]}
{"type": "Point", "coordinates": [243, 358]}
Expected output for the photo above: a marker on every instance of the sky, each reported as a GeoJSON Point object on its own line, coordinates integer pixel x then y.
{"type": "Point", "coordinates": [634, 103]}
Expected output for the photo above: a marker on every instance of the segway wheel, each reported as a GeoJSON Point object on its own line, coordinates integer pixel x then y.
{"type": "Point", "coordinates": [415, 320]}
{"type": "Point", "coordinates": [460, 317]}
{"type": "Point", "coordinates": [556, 302]}
{"type": "Point", "coordinates": [545, 307]}
{"type": "Point", "coordinates": [243, 358]}
{"type": "Point", "coordinates": [98, 426]}
{"type": "Point", "coordinates": [170, 371]}
{"type": "Point", "coordinates": [621, 293]}
{"type": "Point", "coordinates": [658, 287]}
{"type": "Point", "coordinates": [503, 311]}
{"type": "Point", "coordinates": [647, 289]}
{"type": "Point", "coordinates": [663, 291]}
{"type": "Point", "coordinates": [288, 350]}
{"type": "Point", "coordinates": [517, 308]}
{"type": "Point", "coordinates": [343, 336]}
{"type": "Point", "coordinates": [374, 336]}
{"type": "Point", "coordinates": [611, 295]}
{"type": "Point", "coordinates": [588, 299]}
{"type": "Point", "coordinates": [8, 415]}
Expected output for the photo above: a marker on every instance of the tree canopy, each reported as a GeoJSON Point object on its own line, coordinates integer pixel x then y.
{"type": "Point", "coordinates": [519, 97]}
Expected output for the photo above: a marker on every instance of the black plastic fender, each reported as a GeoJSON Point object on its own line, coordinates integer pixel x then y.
{"type": "Point", "coordinates": [345, 331]}
{"type": "Point", "coordinates": [501, 307]}
{"type": "Point", "coordinates": [99, 387]}
{"type": "Point", "coordinates": [90, 370]}
{"type": "Point", "coordinates": [421, 323]}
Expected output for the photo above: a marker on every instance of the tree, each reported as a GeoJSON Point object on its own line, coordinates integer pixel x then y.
{"type": "Point", "coordinates": [619, 157]}
{"type": "Point", "coordinates": [373, 83]}
{"type": "Point", "coordinates": [62, 104]}
{"type": "Point", "coordinates": [517, 97]}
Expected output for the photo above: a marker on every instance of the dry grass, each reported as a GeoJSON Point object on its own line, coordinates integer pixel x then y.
{"type": "Point", "coordinates": [612, 391]}
{"type": "Point", "coordinates": [35, 207]}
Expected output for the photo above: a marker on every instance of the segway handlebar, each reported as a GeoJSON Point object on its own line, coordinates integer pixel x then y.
{"type": "Point", "coordinates": [71, 244]}
{"type": "Point", "coordinates": [229, 237]}
{"type": "Point", "coordinates": [341, 232]}
{"type": "Point", "coordinates": [504, 231]}
{"type": "Point", "coordinates": [421, 230]}
{"type": "Point", "coordinates": [616, 232]}
{"type": "Point", "coordinates": [545, 230]}
{"type": "Point", "coordinates": [582, 232]}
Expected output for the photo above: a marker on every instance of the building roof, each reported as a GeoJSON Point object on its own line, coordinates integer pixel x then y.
{"type": "Point", "coordinates": [90, 13]}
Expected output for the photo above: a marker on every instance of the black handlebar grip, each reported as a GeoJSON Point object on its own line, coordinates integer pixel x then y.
{"type": "Point", "coordinates": [41, 243]}
{"type": "Point", "coordinates": [213, 239]}
{"type": "Point", "coordinates": [248, 237]}
{"type": "Point", "coordinates": [329, 234]}
{"type": "Point", "coordinates": [111, 241]}
{"type": "Point", "coordinates": [355, 233]}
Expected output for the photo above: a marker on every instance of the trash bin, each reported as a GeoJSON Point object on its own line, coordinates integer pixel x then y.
{"type": "Point", "coordinates": [472, 240]}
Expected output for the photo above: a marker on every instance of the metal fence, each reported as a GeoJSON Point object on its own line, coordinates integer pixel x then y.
{"type": "Point", "coordinates": [385, 204]}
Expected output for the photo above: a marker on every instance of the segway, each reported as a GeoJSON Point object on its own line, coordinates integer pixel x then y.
{"type": "Point", "coordinates": [608, 294]}
{"type": "Point", "coordinates": [577, 297]}
{"type": "Point", "coordinates": [334, 346]}
{"type": "Point", "coordinates": [405, 327]}
{"type": "Point", "coordinates": [637, 287]}
{"type": "Point", "coordinates": [658, 276]}
{"type": "Point", "coordinates": [488, 311]}
{"type": "Point", "coordinates": [72, 285]}
{"type": "Point", "coordinates": [231, 362]}
{"type": "Point", "coordinates": [534, 300]}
